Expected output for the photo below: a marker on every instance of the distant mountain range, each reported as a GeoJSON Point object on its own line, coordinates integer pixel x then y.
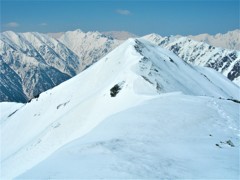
{"type": "Point", "coordinates": [119, 35]}
{"type": "Point", "coordinates": [32, 63]}
{"type": "Point", "coordinates": [229, 40]}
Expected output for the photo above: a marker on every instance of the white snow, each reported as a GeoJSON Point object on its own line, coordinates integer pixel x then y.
{"type": "Point", "coordinates": [158, 122]}
{"type": "Point", "coordinates": [173, 136]}
{"type": "Point", "coordinates": [8, 109]}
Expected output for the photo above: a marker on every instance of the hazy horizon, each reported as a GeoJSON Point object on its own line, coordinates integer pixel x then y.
{"type": "Point", "coordinates": [183, 17]}
{"type": "Point", "coordinates": [118, 31]}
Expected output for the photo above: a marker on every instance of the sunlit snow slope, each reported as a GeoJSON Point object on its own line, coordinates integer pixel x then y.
{"type": "Point", "coordinates": [144, 112]}
{"type": "Point", "coordinates": [173, 136]}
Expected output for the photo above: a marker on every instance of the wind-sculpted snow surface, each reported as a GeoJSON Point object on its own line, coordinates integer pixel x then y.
{"type": "Point", "coordinates": [173, 136]}
{"type": "Point", "coordinates": [133, 114]}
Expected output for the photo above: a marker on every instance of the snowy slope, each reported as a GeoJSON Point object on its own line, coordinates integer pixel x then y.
{"type": "Point", "coordinates": [89, 46]}
{"type": "Point", "coordinates": [135, 73]}
{"type": "Point", "coordinates": [7, 109]}
{"type": "Point", "coordinates": [229, 40]}
{"type": "Point", "coordinates": [197, 53]}
{"type": "Point", "coordinates": [151, 141]}
{"type": "Point", "coordinates": [31, 63]}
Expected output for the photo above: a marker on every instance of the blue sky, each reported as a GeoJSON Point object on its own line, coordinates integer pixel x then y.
{"type": "Point", "coordinates": [165, 17]}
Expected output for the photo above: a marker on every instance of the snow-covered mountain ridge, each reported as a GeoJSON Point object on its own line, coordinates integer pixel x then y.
{"type": "Point", "coordinates": [32, 63]}
{"type": "Point", "coordinates": [224, 61]}
{"type": "Point", "coordinates": [136, 76]}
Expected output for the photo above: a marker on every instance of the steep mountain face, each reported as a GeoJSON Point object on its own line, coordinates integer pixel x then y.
{"type": "Point", "coordinates": [129, 112]}
{"type": "Point", "coordinates": [230, 40]}
{"type": "Point", "coordinates": [224, 61]}
{"type": "Point", "coordinates": [89, 46]}
{"type": "Point", "coordinates": [32, 63]}
{"type": "Point", "coordinates": [10, 85]}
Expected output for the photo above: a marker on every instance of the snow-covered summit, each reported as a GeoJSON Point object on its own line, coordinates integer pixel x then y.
{"type": "Point", "coordinates": [131, 74]}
